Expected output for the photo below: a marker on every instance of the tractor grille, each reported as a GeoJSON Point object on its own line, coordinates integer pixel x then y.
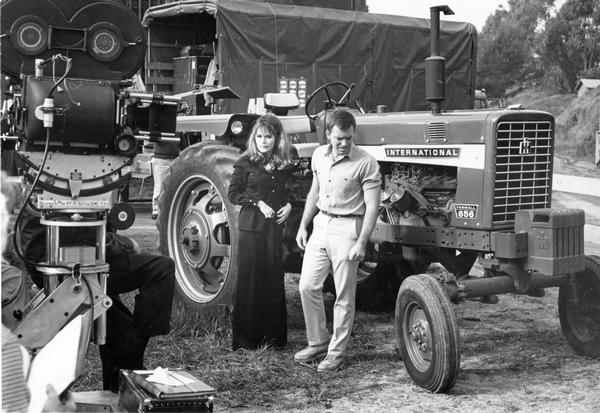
{"type": "Point", "coordinates": [523, 168]}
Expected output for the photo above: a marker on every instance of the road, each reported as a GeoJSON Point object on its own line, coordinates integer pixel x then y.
{"type": "Point", "coordinates": [591, 206]}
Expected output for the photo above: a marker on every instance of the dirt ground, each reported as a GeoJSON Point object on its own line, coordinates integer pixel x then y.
{"type": "Point", "coordinates": [514, 358]}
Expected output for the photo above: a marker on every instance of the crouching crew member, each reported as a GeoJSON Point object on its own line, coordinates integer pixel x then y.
{"type": "Point", "coordinates": [130, 269]}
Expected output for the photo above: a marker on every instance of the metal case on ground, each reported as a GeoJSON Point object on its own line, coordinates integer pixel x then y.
{"type": "Point", "coordinates": [135, 399]}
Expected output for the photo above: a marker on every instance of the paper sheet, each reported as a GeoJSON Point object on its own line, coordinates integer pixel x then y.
{"type": "Point", "coordinates": [55, 364]}
{"type": "Point", "coordinates": [164, 376]}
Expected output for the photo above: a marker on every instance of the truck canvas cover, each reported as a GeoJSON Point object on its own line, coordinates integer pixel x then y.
{"type": "Point", "coordinates": [383, 55]}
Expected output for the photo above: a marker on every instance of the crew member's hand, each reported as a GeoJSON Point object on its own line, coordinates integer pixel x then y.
{"type": "Point", "coordinates": [266, 210]}
{"type": "Point", "coordinates": [284, 213]}
{"type": "Point", "coordinates": [54, 404]}
{"type": "Point", "coordinates": [357, 252]}
{"type": "Point", "coordinates": [301, 238]}
{"type": "Point", "coordinates": [136, 246]}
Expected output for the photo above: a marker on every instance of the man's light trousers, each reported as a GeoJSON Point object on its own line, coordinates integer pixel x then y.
{"type": "Point", "coordinates": [327, 252]}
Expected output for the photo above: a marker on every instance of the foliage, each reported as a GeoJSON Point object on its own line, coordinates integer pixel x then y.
{"type": "Point", "coordinates": [576, 119]}
{"type": "Point", "coordinates": [508, 45]}
{"type": "Point", "coordinates": [530, 43]}
{"type": "Point", "coordinates": [498, 54]}
{"type": "Point", "coordinates": [576, 126]}
{"type": "Point", "coordinates": [573, 39]}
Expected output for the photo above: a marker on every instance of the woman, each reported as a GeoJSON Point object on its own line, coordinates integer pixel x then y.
{"type": "Point", "coordinates": [258, 185]}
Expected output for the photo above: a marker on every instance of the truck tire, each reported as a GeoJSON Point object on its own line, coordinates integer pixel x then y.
{"type": "Point", "coordinates": [198, 225]}
{"type": "Point", "coordinates": [378, 284]}
{"type": "Point", "coordinates": [427, 333]}
{"type": "Point", "coordinates": [579, 309]}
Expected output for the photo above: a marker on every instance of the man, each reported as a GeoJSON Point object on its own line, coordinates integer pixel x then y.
{"type": "Point", "coordinates": [130, 269]}
{"type": "Point", "coordinates": [15, 359]}
{"type": "Point", "coordinates": [164, 154]}
{"type": "Point", "coordinates": [15, 391]}
{"type": "Point", "coordinates": [344, 200]}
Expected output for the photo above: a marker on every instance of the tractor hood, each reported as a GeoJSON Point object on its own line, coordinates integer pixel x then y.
{"type": "Point", "coordinates": [421, 128]}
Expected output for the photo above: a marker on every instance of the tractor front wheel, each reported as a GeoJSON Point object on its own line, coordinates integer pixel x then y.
{"type": "Point", "coordinates": [427, 333]}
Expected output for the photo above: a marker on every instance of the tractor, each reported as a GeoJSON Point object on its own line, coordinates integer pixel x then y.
{"type": "Point", "coordinates": [460, 186]}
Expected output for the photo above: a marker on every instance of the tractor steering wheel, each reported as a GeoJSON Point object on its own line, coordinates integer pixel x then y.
{"type": "Point", "coordinates": [330, 102]}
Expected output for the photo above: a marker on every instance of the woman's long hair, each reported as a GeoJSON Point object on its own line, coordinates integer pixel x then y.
{"type": "Point", "coordinates": [282, 150]}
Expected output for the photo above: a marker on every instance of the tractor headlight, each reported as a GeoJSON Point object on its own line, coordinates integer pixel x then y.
{"type": "Point", "coordinates": [237, 127]}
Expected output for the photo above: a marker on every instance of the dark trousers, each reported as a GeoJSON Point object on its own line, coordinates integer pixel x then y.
{"type": "Point", "coordinates": [127, 333]}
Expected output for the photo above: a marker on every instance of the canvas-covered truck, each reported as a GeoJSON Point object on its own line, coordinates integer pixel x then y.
{"type": "Point", "coordinates": [459, 186]}
{"type": "Point", "coordinates": [259, 47]}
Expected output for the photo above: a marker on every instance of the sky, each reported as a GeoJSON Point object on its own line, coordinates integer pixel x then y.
{"type": "Point", "coordinates": [471, 11]}
{"type": "Point", "coordinates": [475, 12]}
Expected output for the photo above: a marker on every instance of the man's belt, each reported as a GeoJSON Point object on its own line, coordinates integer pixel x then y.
{"type": "Point", "coordinates": [339, 215]}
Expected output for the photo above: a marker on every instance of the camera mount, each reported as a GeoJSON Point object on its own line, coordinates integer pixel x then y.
{"type": "Point", "coordinates": [77, 129]}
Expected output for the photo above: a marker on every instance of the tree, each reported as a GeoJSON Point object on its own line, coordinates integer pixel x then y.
{"type": "Point", "coordinates": [500, 59]}
{"type": "Point", "coordinates": [508, 44]}
{"type": "Point", "coordinates": [573, 39]}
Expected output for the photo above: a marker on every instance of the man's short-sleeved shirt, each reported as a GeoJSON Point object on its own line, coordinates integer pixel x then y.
{"type": "Point", "coordinates": [342, 184]}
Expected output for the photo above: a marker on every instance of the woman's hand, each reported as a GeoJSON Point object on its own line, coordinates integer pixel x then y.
{"type": "Point", "coordinates": [284, 213]}
{"type": "Point", "coordinates": [266, 210]}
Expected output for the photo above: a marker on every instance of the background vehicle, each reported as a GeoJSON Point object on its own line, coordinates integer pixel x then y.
{"type": "Point", "coordinates": [258, 46]}
{"type": "Point", "coordinates": [458, 185]}
{"type": "Point", "coordinates": [482, 101]}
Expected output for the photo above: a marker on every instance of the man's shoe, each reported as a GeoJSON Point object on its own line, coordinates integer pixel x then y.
{"type": "Point", "coordinates": [310, 353]}
{"type": "Point", "coordinates": [331, 363]}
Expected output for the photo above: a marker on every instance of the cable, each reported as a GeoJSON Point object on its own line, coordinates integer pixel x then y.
{"type": "Point", "coordinates": [67, 70]}
{"type": "Point", "coordinates": [16, 238]}
{"type": "Point", "coordinates": [91, 295]}
{"type": "Point", "coordinates": [68, 60]}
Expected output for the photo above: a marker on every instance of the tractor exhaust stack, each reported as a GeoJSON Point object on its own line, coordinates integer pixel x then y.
{"type": "Point", "coordinates": [435, 77]}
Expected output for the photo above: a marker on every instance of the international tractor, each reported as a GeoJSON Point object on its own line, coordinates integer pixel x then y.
{"type": "Point", "coordinates": [459, 187]}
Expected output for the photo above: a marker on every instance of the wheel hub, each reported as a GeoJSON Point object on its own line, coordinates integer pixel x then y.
{"type": "Point", "coordinates": [420, 334]}
{"type": "Point", "coordinates": [195, 238]}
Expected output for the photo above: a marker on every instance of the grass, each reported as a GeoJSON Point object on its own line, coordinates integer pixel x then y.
{"type": "Point", "coordinates": [263, 379]}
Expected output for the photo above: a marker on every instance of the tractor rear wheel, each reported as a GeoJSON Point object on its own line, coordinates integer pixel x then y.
{"type": "Point", "coordinates": [579, 309]}
{"type": "Point", "coordinates": [378, 284]}
{"type": "Point", "coordinates": [198, 225]}
{"type": "Point", "coordinates": [427, 333]}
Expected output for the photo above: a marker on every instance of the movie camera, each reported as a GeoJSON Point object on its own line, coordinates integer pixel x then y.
{"type": "Point", "coordinates": [77, 127]}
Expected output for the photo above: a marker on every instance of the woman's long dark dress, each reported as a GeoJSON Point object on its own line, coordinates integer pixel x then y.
{"type": "Point", "coordinates": [259, 314]}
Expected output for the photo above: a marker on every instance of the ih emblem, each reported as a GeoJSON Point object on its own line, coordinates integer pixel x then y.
{"type": "Point", "coordinates": [542, 240]}
{"type": "Point", "coordinates": [525, 147]}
